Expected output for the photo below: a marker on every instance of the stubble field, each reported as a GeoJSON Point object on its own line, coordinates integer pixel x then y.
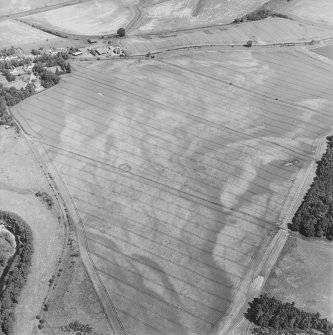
{"type": "Point", "coordinates": [175, 14]}
{"type": "Point", "coordinates": [87, 18]}
{"type": "Point", "coordinates": [181, 178]}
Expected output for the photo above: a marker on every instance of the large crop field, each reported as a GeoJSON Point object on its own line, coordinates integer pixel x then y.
{"type": "Point", "coordinates": [182, 178]}
{"type": "Point", "coordinates": [87, 18]}
{"type": "Point", "coordinates": [269, 31]}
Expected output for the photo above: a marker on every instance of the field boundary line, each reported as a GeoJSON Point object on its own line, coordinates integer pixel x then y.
{"type": "Point", "coordinates": [71, 211]}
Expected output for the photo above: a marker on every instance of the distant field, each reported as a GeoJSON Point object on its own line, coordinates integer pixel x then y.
{"type": "Point", "coordinates": [320, 10]}
{"type": "Point", "coordinates": [88, 18]}
{"type": "Point", "coordinates": [304, 274]}
{"type": "Point", "coordinates": [16, 6]}
{"type": "Point", "coordinates": [181, 178]}
{"type": "Point", "coordinates": [269, 31]}
{"type": "Point", "coordinates": [17, 34]}
{"type": "Point", "coordinates": [326, 51]}
{"type": "Point", "coordinates": [173, 14]}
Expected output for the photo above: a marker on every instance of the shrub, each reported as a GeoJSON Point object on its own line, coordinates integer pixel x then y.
{"type": "Point", "coordinates": [121, 32]}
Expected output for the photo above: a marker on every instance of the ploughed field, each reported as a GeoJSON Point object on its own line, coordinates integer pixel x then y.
{"type": "Point", "coordinates": [180, 177]}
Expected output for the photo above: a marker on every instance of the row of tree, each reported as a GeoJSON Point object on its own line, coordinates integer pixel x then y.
{"type": "Point", "coordinates": [15, 275]}
{"type": "Point", "coordinates": [15, 62]}
{"type": "Point", "coordinates": [7, 52]}
{"type": "Point", "coordinates": [271, 313]}
{"type": "Point", "coordinates": [315, 215]}
{"type": "Point", "coordinates": [11, 95]}
{"type": "Point", "coordinates": [259, 14]}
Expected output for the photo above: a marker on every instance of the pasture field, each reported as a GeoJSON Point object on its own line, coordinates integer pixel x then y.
{"type": "Point", "coordinates": [87, 18]}
{"type": "Point", "coordinates": [320, 11]}
{"type": "Point", "coordinates": [175, 14]}
{"type": "Point", "coordinates": [303, 274]}
{"type": "Point", "coordinates": [8, 7]}
{"type": "Point", "coordinates": [20, 179]}
{"type": "Point", "coordinates": [182, 179]}
{"type": "Point", "coordinates": [18, 34]}
{"type": "Point", "coordinates": [268, 31]}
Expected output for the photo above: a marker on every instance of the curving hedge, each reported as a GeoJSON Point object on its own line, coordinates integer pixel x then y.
{"type": "Point", "coordinates": [15, 275]}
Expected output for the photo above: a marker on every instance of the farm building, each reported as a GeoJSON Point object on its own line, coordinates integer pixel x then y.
{"type": "Point", "coordinates": [92, 41]}
{"type": "Point", "coordinates": [102, 50]}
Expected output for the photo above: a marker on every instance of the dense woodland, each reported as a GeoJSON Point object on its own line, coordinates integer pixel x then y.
{"type": "Point", "coordinates": [15, 275]}
{"type": "Point", "coordinates": [275, 317]}
{"type": "Point", "coordinates": [315, 215]}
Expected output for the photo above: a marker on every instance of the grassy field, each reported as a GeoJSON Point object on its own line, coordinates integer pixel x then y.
{"type": "Point", "coordinates": [88, 18]}
{"type": "Point", "coordinates": [303, 274]}
{"type": "Point", "coordinates": [13, 33]}
{"type": "Point", "coordinates": [180, 177]}
{"type": "Point", "coordinates": [269, 31]}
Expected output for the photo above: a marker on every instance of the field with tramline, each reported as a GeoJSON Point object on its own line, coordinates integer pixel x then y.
{"type": "Point", "coordinates": [268, 31]}
{"type": "Point", "coordinates": [182, 169]}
